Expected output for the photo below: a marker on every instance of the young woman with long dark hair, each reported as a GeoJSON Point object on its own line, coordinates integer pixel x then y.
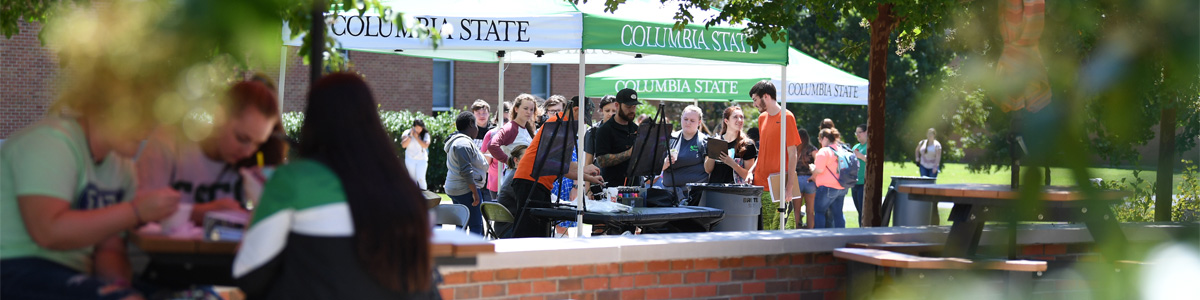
{"type": "Point", "coordinates": [732, 168]}
{"type": "Point", "coordinates": [344, 220]}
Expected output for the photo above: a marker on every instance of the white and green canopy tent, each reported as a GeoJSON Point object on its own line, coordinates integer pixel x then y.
{"type": "Point", "coordinates": [548, 31]}
{"type": "Point", "coordinates": [809, 81]}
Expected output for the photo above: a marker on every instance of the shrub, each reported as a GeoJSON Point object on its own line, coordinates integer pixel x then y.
{"type": "Point", "coordinates": [1139, 207]}
{"type": "Point", "coordinates": [440, 126]}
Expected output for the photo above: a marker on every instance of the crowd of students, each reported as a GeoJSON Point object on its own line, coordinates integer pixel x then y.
{"type": "Point", "coordinates": [813, 164]}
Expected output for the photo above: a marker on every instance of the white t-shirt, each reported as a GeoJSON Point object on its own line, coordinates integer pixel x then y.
{"type": "Point", "coordinates": [931, 154]}
{"type": "Point", "coordinates": [182, 165]}
{"type": "Point", "coordinates": [523, 139]}
{"type": "Point", "coordinates": [414, 151]}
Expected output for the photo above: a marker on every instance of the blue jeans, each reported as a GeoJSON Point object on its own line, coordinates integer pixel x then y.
{"type": "Point", "coordinates": [857, 193]}
{"type": "Point", "coordinates": [475, 221]}
{"type": "Point", "coordinates": [806, 186]}
{"type": "Point", "coordinates": [38, 278]}
{"type": "Point", "coordinates": [927, 172]}
{"type": "Point", "coordinates": [827, 208]}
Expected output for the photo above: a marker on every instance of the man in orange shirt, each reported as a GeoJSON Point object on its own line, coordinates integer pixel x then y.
{"type": "Point", "coordinates": [538, 189]}
{"type": "Point", "coordinates": [769, 126]}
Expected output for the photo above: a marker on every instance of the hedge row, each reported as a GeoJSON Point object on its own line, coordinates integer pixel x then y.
{"type": "Point", "coordinates": [440, 126]}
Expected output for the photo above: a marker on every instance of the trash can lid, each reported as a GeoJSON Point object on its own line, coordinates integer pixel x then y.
{"type": "Point", "coordinates": [728, 188]}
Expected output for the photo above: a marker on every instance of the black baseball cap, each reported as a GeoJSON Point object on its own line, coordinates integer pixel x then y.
{"type": "Point", "coordinates": [588, 106]}
{"type": "Point", "coordinates": [628, 96]}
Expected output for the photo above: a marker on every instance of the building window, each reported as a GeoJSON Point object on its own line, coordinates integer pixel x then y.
{"type": "Point", "coordinates": [443, 85]}
{"type": "Point", "coordinates": [539, 81]}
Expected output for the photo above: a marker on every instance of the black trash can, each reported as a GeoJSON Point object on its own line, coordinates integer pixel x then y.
{"type": "Point", "coordinates": [912, 212]}
{"type": "Point", "coordinates": [740, 202]}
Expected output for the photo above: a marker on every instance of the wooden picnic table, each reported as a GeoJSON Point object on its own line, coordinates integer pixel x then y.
{"type": "Point", "coordinates": [183, 261]}
{"type": "Point", "coordinates": [976, 204]}
{"type": "Point", "coordinates": [446, 244]}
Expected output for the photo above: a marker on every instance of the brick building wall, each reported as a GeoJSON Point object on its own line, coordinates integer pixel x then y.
{"type": "Point", "coordinates": [406, 83]}
{"type": "Point", "coordinates": [28, 73]}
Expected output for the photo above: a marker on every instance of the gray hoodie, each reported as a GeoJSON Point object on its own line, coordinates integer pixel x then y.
{"type": "Point", "coordinates": [464, 165]}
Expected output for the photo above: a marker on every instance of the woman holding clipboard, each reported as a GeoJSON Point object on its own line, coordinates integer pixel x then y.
{"type": "Point", "coordinates": [733, 164]}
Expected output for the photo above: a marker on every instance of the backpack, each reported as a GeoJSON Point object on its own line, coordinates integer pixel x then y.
{"type": "Point", "coordinates": [847, 172]}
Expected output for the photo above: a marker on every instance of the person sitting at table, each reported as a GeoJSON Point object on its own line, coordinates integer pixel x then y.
{"type": "Point", "coordinates": [526, 192]}
{"type": "Point", "coordinates": [465, 170]}
{"type": "Point", "coordinates": [205, 172]}
{"type": "Point", "coordinates": [67, 194]}
{"type": "Point", "coordinates": [685, 164]}
{"type": "Point", "coordinates": [344, 221]}
{"type": "Point", "coordinates": [732, 169]}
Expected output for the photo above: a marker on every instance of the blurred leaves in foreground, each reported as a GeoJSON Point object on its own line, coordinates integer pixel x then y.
{"type": "Point", "coordinates": [137, 63]}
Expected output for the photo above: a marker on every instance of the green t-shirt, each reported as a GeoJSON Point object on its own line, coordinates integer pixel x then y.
{"type": "Point", "coordinates": [862, 164]}
{"type": "Point", "coordinates": [51, 158]}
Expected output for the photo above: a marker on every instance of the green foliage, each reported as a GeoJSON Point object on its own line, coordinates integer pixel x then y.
{"type": "Point", "coordinates": [762, 18]}
{"type": "Point", "coordinates": [910, 73]}
{"type": "Point", "coordinates": [1139, 207]}
{"type": "Point", "coordinates": [1187, 208]}
{"type": "Point", "coordinates": [440, 127]}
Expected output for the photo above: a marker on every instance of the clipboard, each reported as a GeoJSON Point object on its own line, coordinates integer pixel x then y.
{"type": "Point", "coordinates": [716, 147]}
{"type": "Point", "coordinates": [777, 193]}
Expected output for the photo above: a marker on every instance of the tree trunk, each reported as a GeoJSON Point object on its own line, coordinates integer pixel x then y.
{"type": "Point", "coordinates": [1166, 163]}
{"type": "Point", "coordinates": [316, 36]}
{"type": "Point", "coordinates": [881, 30]}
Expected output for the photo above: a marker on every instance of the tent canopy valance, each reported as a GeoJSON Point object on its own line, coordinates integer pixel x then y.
{"type": "Point", "coordinates": [809, 81]}
{"type": "Point", "coordinates": [473, 30]}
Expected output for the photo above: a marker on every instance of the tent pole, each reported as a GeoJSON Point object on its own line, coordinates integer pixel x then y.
{"type": "Point", "coordinates": [282, 76]}
{"type": "Point", "coordinates": [500, 89]}
{"type": "Point", "coordinates": [499, 108]}
{"type": "Point", "coordinates": [783, 171]}
{"type": "Point", "coordinates": [579, 182]}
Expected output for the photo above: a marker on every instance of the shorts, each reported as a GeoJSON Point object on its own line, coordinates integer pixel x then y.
{"type": "Point", "coordinates": [807, 187]}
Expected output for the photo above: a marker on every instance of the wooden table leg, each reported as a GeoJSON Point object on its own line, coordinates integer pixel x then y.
{"type": "Point", "coordinates": [963, 240]}
{"type": "Point", "coordinates": [1106, 232]}
{"type": "Point", "coordinates": [862, 281]}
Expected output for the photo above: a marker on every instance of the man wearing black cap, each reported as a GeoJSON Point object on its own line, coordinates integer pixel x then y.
{"type": "Point", "coordinates": [614, 140]}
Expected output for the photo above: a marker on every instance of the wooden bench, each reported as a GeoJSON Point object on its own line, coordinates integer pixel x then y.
{"type": "Point", "coordinates": [866, 268]}
{"type": "Point", "coordinates": [914, 248]}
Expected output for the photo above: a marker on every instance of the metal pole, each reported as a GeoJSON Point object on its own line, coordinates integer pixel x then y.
{"type": "Point", "coordinates": [316, 40]}
{"type": "Point", "coordinates": [783, 171]}
{"type": "Point", "coordinates": [579, 132]}
{"type": "Point", "coordinates": [500, 116]}
{"type": "Point", "coordinates": [283, 51]}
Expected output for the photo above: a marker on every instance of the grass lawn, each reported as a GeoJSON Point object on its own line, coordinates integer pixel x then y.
{"type": "Point", "coordinates": [958, 173]}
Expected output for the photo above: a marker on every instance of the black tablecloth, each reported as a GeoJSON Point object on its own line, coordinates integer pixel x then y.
{"type": "Point", "coordinates": [679, 219]}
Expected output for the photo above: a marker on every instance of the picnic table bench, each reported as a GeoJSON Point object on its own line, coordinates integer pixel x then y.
{"type": "Point", "coordinates": [869, 268]}
{"type": "Point", "coordinates": [976, 204]}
